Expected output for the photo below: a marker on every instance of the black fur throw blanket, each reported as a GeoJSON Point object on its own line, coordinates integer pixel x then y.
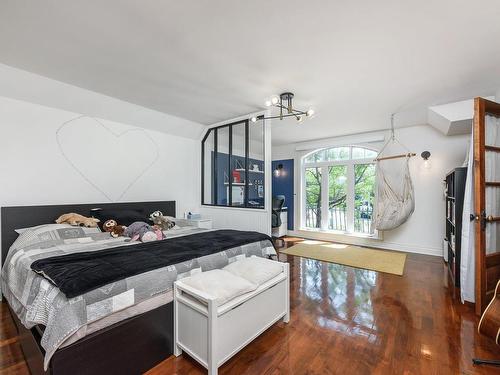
{"type": "Point", "coordinates": [78, 273]}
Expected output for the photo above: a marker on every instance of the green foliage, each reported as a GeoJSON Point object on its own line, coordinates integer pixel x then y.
{"type": "Point", "coordinates": [364, 196]}
{"type": "Point", "coordinates": [364, 188]}
{"type": "Point", "coordinates": [313, 193]}
{"type": "Point", "coordinates": [337, 186]}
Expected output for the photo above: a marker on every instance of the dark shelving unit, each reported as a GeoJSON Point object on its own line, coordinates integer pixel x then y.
{"type": "Point", "coordinates": [455, 190]}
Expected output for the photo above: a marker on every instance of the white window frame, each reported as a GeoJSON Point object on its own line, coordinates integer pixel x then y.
{"type": "Point", "coordinates": [324, 165]}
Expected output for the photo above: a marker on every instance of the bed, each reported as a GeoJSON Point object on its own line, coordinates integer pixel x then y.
{"type": "Point", "coordinates": [123, 327]}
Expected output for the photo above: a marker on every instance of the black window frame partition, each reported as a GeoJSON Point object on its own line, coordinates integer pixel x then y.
{"type": "Point", "coordinates": [215, 166]}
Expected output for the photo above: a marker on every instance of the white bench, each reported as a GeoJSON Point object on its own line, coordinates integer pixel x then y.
{"type": "Point", "coordinates": [212, 334]}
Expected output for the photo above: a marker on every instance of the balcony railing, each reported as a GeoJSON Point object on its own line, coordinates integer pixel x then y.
{"type": "Point", "coordinates": [337, 219]}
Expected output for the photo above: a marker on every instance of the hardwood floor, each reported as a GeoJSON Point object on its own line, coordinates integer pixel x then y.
{"type": "Point", "coordinates": [345, 321]}
{"type": "Point", "coordinates": [11, 356]}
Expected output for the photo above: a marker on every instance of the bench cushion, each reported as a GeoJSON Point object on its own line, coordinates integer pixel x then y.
{"type": "Point", "coordinates": [220, 284]}
{"type": "Point", "coordinates": [256, 270]}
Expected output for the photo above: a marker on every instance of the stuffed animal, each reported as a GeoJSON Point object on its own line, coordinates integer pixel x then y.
{"type": "Point", "coordinates": [144, 232]}
{"type": "Point", "coordinates": [113, 228]}
{"type": "Point", "coordinates": [77, 220]}
{"type": "Point", "coordinates": [163, 222]}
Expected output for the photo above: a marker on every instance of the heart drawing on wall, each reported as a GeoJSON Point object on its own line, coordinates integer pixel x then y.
{"type": "Point", "coordinates": [109, 156]}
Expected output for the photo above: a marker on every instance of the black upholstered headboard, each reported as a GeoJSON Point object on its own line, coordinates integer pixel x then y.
{"type": "Point", "coordinates": [17, 217]}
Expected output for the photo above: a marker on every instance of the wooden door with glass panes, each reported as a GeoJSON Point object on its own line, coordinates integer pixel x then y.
{"type": "Point", "coordinates": [486, 199]}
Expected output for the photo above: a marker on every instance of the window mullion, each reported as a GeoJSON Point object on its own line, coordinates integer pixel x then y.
{"type": "Point", "coordinates": [303, 198]}
{"type": "Point", "coordinates": [230, 169]}
{"type": "Point", "coordinates": [215, 166]}
{"type": "Point", "coordinates": [350, 198]}
{"type": "Point", "coordinates": [324, 198]}
{"type": "Point", "coordinates": [247, 152]}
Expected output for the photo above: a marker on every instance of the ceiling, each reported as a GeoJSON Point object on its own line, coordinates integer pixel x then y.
{"type": "Point", "coordinates": [353, 62]}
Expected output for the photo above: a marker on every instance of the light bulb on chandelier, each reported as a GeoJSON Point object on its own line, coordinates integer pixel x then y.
{"type": "Point", "coordinates": [284, 102]}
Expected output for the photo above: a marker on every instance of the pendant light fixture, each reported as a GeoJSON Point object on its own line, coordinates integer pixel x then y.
{"type": "Point", "coordinates": [285, 104]}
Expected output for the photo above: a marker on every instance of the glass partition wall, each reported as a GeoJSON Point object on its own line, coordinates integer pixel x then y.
{"type": "Point", "coordinates": [233, 165]}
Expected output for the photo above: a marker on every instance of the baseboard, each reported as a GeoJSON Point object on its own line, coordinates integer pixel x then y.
{"type": "Point", "coordinates": [379, 244]}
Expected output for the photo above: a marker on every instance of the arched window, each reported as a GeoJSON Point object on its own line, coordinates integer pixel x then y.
{"type": "Point", "coordinates": [338, 189]}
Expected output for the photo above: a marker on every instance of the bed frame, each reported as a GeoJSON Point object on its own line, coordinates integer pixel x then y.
{"type": "Point", "coordinates": [131, 346]}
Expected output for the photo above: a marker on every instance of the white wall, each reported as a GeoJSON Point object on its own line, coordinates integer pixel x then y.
{"type": "Point", "coordinates": [50, 155]}
{"type": "Point", "coordinates": [424, 231]}
{"type": "Point", "coordinates": [33, 88]}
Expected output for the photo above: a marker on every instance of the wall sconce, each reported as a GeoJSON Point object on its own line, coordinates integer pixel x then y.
{"type": "Point", "coordinates": [279, 170]}
{"type": "Point", "coordinates": [426, 155]}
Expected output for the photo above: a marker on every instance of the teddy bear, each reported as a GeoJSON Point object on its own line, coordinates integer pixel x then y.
{"type": "Point", "coordinates": [77, 220]}
{"type": "Point", "coordinates": [144, 232]}
{"type": "Point", "coordinates": [113, 228]}
{"type": "Point", "coordinates": [162, 222]}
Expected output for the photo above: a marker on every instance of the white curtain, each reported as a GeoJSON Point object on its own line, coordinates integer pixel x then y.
{"type": "Point", "coordinates": [492, 172]}
{"type": "Point", "coordinates": [467, 270]}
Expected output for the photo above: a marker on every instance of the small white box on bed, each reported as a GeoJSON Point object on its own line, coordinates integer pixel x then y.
{"type": "Point", "coordinates": [212, 334]}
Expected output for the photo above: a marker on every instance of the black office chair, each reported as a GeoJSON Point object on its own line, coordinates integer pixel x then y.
{"type": "Point", "coordinates": [278, 203]}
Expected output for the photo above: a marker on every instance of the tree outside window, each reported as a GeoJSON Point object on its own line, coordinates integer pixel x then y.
{"type": "Point", "coordinates": [348, 175]}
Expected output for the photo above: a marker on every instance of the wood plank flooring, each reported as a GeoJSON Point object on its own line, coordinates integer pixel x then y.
{"type": "Point", "coordinates": [345, 321]}
{"type": "Point", "coordinates": [11, 356]}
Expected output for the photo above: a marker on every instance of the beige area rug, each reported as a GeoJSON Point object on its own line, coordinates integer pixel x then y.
{"type": "Point", "coordinates": [360, 257]}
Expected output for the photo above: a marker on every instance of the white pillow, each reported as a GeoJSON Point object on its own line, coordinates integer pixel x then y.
{"type": "Point", "coordinates": [220, 284]}
{"type": "Point", "coordinates": [256, 270]}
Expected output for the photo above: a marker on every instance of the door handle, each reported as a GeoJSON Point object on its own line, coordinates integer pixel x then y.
{"type": "Point", "coordinates": [483, 220]}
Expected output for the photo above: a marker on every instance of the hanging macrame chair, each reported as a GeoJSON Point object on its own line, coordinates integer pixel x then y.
{"type": "Point", "coordinates": [395, 198]}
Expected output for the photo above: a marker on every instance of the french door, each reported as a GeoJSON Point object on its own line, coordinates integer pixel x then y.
{"type": "Point", "coordinates": [338, 188]}
{"type": "Point", "coordinates": [486, 199]}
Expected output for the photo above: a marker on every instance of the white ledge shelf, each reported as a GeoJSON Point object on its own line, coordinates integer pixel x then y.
{"type": "Point", "coordinates": [250, 170]}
